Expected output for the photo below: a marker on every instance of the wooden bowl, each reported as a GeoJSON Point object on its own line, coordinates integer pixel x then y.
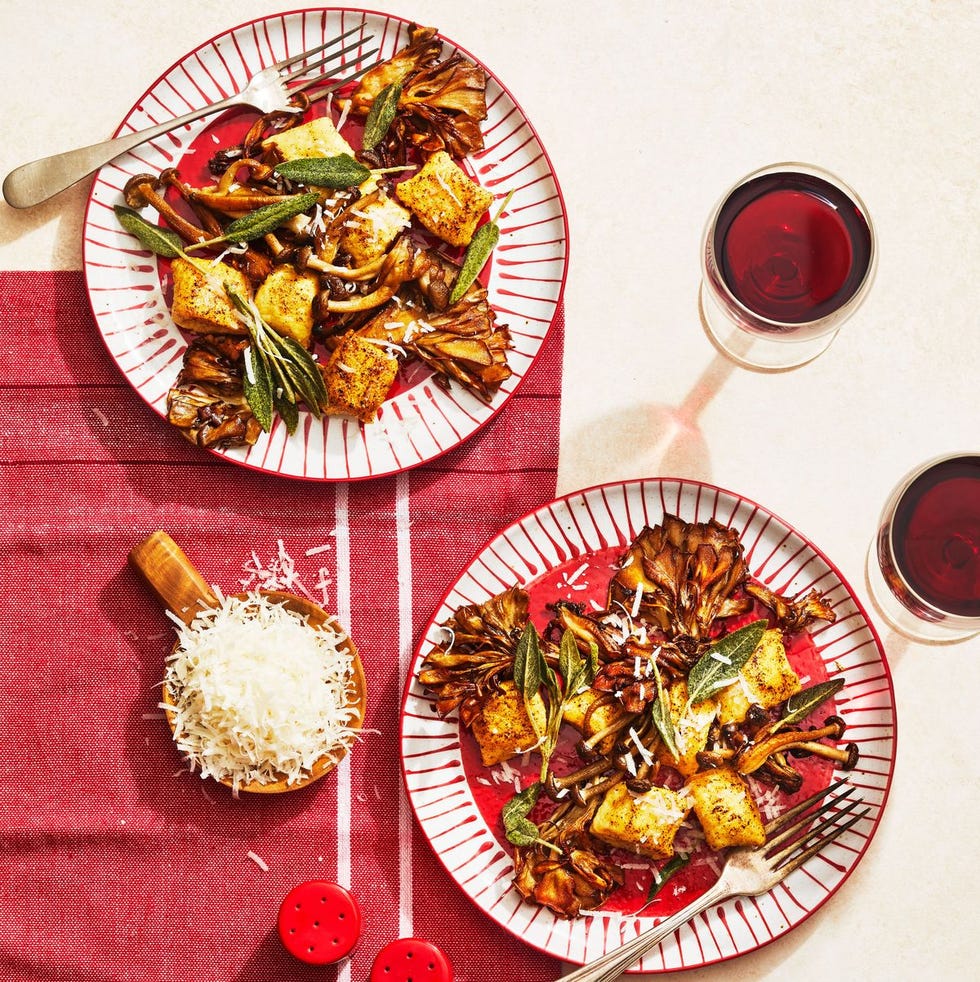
{"type": "Point", "coordinates": [185, 593]}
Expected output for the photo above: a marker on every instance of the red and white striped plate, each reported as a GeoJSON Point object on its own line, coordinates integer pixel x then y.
{"type": "Point", "coordinates": [565, 549]}
{"type": "Point", "coordinates": [422, 421]}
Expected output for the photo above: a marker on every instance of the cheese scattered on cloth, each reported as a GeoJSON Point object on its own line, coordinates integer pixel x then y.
{"type": "Point", "coordinates": [258, 693]}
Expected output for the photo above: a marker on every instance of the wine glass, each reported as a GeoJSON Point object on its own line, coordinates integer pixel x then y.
{"type": "Point", "coordinates": [787, 255]}
{"type": "Point", "coordinates": [924, 565]}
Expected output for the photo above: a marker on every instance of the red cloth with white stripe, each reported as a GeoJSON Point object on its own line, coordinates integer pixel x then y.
{"type": "Point", "coordinates": [115, 866]}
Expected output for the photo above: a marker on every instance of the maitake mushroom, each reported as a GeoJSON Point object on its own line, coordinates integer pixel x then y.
{"type": "Point", "coordinates": [441, 103]}
{"type": "Point", "coordinates": [207, 402]}
{"type": "Point", "coordinates": [478, 653]}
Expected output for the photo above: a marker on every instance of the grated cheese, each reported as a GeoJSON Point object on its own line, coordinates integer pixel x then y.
{"type": "Point", "coordinates": [259, 861]}
{"type": "Point", "coordinates": [644, 753]}
{"type": "Point", "coordinates": [447, 188]}
{"type": "Point", "coordinates": [258, 694]}
{"type": "Point", "coordinates": [345, 110]}
{"type": "Point", "coordinates": [637, 600]}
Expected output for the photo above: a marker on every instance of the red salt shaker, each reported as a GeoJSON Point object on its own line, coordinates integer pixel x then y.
{"type": "Point", "coordinates": [319, 922]}
{"type": "Point", "coordinates": [411, 960]}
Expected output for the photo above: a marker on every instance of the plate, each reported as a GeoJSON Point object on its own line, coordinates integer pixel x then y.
{"type": "Point", "coordinates": [422, 421]}
{"type": "Point", "coordinates": [565, 549]}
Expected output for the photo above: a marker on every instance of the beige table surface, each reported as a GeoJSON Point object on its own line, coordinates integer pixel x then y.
{"type": "Point", "coordinates": [649, 110]}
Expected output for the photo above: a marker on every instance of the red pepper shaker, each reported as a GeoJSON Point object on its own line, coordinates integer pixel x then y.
{"type": "Point", "coordinates": [319, 922]}
{"type": "Point", "coordinates": [411, 960]}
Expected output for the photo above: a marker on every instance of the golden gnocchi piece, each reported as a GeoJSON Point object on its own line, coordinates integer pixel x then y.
{"type": "Point", "coordinates": [444, 199]}
{"type": "Point", "coordinates": [645, 824]}
{"type": "Point", "coordinates": [504, 729]}
{"type": "Point", "coordinates": [767, 678]}
{"type": "Point", "coordinates": [317, 138]}
{"type": "Point", "coordinates": [726, 809]}
{"type": "Point", "coordinates": [691, 727]}
{"type": "Point", "coordinates": [378, 223]}
{"type": "Point", "coordinates": [200, 302]}
{"type": "Point", "coordinates": [358, 376]}
{"type": "Point", "coordinates": [285, 301]}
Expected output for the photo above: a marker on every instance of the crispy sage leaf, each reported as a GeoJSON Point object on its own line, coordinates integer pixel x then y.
{"type": "Point", "coordinates": [380, 115]}
{"type": "Point", "coordinates": [660, 713]}
{"type": "Point", "coordinates": [593, 661]}
{"type": "Point", "coordinates": [661, 876]}
{"type": "Point", "coordinates": [527, 663]}
{"type": "Point", "coordinates": [523, 832]}
{"type": "Point", "coordinates": [338, 173]}
{"type": "Point", "coordinates": [720, 664]}
{"type": "Point", "coordinates": [160, 241]}
{"type": "Point", "coordinates": [289, 413]}
{"type": "Point", "coordinates": [570, 664]}
{"type": "Point", "coordinates": [475, 258]}
{"type": "Point", "coordinates": [268, 218]}
{"type": "Point", "coordinates": [800, 705]}
{"type": "Point", "coordinates": [258, 388]}
{"type": "Point", "coordinates": [518, 828]}
{"type": "Point", "coordinates": [304, 373]}
{"type": "Point", "coordinates": [477, 253]}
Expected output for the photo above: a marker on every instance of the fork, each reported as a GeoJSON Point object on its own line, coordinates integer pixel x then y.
{"type": "Point", "coordinates": [267, 91]}
{"type": "Point", "coordinates": [747, 872]}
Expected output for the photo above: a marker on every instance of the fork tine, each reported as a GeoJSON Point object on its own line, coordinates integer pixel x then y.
{"type": "Point", "coordinates": [796, 843]}
{"type": "Point", "coordinates": [835, 832]}
{"type": "Point", "coordinates": [304, 69]}
{"type": "Point", "coordinates": [335, 84]}
{"type": "Point", "coordinates": [781, 820]}
{"type": "Point", "coordinates": [805, 819]}
{"type": "Point", "coordinates": [318, 78]}
{"type": "Point", "coordinates": [292, 59]}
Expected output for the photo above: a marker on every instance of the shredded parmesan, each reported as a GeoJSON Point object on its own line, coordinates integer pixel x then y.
{"type": "Point", "coordinates": [644, 753]}
{"type": "Point", "coordinates": [447, 188]}
{"type": "Point", "coordinates": [249, 366]}
{"type": "Point", "coordinates": [637, 600]}
{"type": "Point", "coordinates": [259, 861]}
{"type": "Point", "coordinates": [391, 348]}
{"type": "Point", "coordinates": [258, 694]}
{"type": "Point", "coordinates": [277, 574]}
{"type": "Point", "coordinates": [345, 109]}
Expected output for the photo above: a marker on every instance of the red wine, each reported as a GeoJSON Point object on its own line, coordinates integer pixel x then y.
{"type": "Point", "coordinates": [792, 247]}
{"type": "Point", "coordinates": [936, 536]}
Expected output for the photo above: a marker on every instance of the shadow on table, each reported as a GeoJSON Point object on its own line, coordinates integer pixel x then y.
{"type": "Point", "coordinates": [270, 960]}
{"type": "Point", "coordinates": [653, 440]}
{"type": "Point", "coordinates": [67, 208]}
{"type": "Point", "coordinates": [20, 967]}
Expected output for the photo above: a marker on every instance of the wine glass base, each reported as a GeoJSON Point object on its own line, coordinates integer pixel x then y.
{"type": "Point", "coordinates": [900, 618]}
{"type": "Point", "coordinates": [752, 351]}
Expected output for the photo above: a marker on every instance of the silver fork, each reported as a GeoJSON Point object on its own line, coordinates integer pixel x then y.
{"type": "Point", "coordinates": [267, 91]}
{"type": "Point", "coordinates": [748, 872]}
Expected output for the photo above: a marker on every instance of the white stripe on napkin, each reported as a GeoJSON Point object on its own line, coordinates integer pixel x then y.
{"type": "Point", "coordinates": [343, 773]}
{"type": "Point", "coordinates": [405, 635]}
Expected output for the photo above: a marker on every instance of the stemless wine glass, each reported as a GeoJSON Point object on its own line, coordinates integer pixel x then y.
{"type": "Point", "coordinates": [924, 564]}
{"type": "Point", "coordinates": [787, 255]}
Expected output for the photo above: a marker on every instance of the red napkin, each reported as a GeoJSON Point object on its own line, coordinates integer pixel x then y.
{"type": "Point", "coordinates": [116, 864]}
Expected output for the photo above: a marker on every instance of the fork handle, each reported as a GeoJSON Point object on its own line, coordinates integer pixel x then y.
{"type": "Point", "coordinates": [610, 966]}
{"type": "Point", "coordinates": [32, 183]}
